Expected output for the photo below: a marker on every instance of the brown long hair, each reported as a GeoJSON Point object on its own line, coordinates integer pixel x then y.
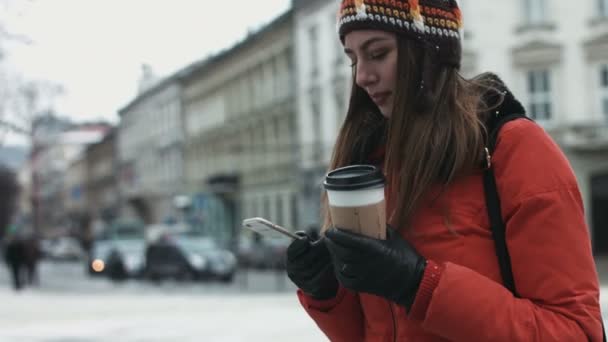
{"type": "Point", "coordinates": [434, 134]}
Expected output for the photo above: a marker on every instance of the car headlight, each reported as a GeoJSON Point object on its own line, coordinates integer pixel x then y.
{"type": "Point", "coordinates": [98, 265]}
{"type": "Point", "coordinates": [197, 260]}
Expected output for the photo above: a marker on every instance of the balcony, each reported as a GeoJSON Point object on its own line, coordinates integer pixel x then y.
{"type": "Point", "coordinates": [535, 28]}
{"type": "Point", "coordinates": [586, 137]}
{"type": "Point", "coordinates": [535, 52]}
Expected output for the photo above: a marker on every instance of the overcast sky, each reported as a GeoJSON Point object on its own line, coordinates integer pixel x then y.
{"type": "Point", "coordinates": [95, 48]}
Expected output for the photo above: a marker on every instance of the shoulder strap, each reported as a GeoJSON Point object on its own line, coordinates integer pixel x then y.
{"type": "Point", "coordinates": [493, 203]}
{"type": "Point", "coordinates": [494, 210]}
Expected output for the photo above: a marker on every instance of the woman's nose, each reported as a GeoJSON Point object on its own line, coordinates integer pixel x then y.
{"type": "Point", "coordinates": [365, 75]}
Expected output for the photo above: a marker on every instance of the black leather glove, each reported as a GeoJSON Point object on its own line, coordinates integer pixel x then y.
{"type": "Point", "coordinates": [389, 268]}
{"type": "Point", "coordinates": [309, 266]}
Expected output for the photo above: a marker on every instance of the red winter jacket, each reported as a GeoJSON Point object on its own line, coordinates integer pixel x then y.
{"type": "Point", "coordinates": [461, 297]}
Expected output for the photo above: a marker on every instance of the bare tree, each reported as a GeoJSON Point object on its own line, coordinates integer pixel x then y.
{"type": "Point", "coordinates": [25, 101]}
{"type": "Point", "coordinates": [21, 99]}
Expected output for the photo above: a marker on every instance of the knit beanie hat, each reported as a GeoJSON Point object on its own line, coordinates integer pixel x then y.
{"type": "Point", "coordinates": [435, 23]}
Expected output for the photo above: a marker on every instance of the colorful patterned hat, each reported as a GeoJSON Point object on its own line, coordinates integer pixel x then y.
{"type": "Point", "coordinates": [435, 23]}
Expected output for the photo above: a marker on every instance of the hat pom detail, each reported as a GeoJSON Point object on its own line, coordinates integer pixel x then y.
{"type": "Point", "coordinates": [416, 15]}
{"type": "Point", "coordinates": [361, 9]}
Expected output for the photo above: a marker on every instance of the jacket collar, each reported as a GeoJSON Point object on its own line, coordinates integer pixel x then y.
{"type": "Point", "coordinates": [509, 104]}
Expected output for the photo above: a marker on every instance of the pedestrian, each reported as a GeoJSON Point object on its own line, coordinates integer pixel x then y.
{"type": "Point", "coordinates": [32, 256]}
{"type": "Point", "coordinates": [15, 256]}
{"type": "Point", "coordinates": [437, 277]}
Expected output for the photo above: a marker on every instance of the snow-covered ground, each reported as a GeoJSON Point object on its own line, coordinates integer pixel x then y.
{"type": "Point", "coordinates": [31, 316]}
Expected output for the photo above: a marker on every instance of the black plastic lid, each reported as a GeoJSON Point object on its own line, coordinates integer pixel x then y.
{"type": "Point", "coordinates": [354, 177]}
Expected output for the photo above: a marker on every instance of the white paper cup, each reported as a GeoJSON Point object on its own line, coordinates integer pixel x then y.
{"type": "Point", "coordinates": [356, 199]}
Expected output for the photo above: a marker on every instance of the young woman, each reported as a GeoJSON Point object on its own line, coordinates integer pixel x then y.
{"type": "Point", "coordinates": [436, 277]}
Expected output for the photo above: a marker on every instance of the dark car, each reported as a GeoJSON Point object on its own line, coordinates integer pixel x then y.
{"type": "Point", "coordinates": [184, 252]}
{"type": "Point", "coordinates": [261, 252]}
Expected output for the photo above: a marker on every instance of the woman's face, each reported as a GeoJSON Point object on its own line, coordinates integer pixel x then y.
{"type": "Point", "coordinates": [373, 55]}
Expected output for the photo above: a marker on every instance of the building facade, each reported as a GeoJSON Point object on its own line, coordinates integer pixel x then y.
{"type": "Point", "coordinates": [150, 151]}
{"type": "Point", "coordinates": [75, 197]}
{"type": "Point", "coordinates": [53, 154]}
{"type": "Point", "coordinates": [101, 184]}
{"type": "Point", "coordinates": [240, 129]}
{"type": "Point", "coordinates": [552, 54]}
{"type": "Point", "coordinates": [322, 87]}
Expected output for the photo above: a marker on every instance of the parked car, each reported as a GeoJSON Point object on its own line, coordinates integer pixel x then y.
{"type": "Point", "coordinates": [62, 248]}
{"type": "Point", "coordinates": [182, 251]}
{"type": "Point", "coordinates": [119, 251]}
{"type": "Point", "coordinates": [262, 252]}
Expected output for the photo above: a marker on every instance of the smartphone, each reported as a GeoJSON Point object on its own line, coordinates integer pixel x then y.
{"type": "Point", "coordinates": [265, 227]}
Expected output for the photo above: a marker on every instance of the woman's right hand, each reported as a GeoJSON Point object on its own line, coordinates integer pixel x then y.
{"type": "Point", "coordinates": [309, 266]}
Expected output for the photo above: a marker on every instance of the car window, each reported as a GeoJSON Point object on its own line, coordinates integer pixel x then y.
{"type": "Point", "coordinates": [129, 231]}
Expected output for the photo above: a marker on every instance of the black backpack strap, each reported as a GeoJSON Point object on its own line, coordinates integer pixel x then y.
{"type": "Point", "coordinates": [493, 206]}
{"type": "Point", "coordinates": [493, 203]}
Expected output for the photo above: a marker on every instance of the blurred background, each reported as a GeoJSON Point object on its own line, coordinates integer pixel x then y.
{"type": "Point", "coordinates": [139, 134]}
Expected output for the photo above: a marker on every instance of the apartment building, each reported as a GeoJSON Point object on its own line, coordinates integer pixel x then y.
{"type": "Point", "coordinates": [101, 182]}
{"type": "Point", "coordinates": [322, 85]}
{"type": "Point", "coordinates": [554, 56]}
{"type": "Point", "coordinates": [241, 143]}
{"type": "Point", "coordinates": [150, 151]}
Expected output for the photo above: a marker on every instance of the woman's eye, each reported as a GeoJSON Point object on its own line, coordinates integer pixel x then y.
{"type": "Point", "coordinates": [378, 55]}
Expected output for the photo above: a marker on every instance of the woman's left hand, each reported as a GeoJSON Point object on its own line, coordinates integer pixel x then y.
{"type": "Point", "coordinates": [389, 268]}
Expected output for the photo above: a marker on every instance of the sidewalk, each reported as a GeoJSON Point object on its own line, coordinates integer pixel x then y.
{"type": "Point", "coordinates": [41, 317]}
{"type": "Point", "coordinates": [34, 317]}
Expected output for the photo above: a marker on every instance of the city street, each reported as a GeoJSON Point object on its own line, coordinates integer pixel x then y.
{"type": "Point", "coordinates": [69, 306]}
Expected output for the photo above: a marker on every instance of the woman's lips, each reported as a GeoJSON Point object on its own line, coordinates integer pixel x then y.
{"type": "Point", "coordinates": [380, 98]}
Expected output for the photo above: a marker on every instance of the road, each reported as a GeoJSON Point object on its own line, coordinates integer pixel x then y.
{"type": "Point", "coordinates": [68, 306]}
{"type": "Point", "coordinates": [70, 278]}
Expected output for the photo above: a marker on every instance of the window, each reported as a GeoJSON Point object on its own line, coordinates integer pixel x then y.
{"type": "Point", "coordinates": [266, 206]}
{"type": "Point", "coordinates": [604, 89]}
{"type": "Point", "coordinates": [315, 108]}
{"type": "Point", "coordinates": [257, 80]}
{"type": "Point", "coordinates": [279, 216]}
{"type": "Point", "coordinates": [340, 98]}
{"type": "Point", "coordinates": [539, 92]}
{"type": "Point", "coordinates": [276, 76]}
{"type": "Point", "coordinates": [602, 8]}
{"type": "Point", "coordinates": [313, 42]}
{"type": "Point", "coordinates": [535, 12]}
{"type": "Point", "coordinates": [254, 207]}
{"type": "Point", "coordinates": [294, 210]}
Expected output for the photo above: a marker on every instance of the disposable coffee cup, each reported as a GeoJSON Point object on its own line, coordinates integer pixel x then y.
{"type": "Point", "coordinates": [356, 200]}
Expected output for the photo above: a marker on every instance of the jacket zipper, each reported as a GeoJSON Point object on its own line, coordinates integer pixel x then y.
{"type": "Point", "coordinates": [390, 305]}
